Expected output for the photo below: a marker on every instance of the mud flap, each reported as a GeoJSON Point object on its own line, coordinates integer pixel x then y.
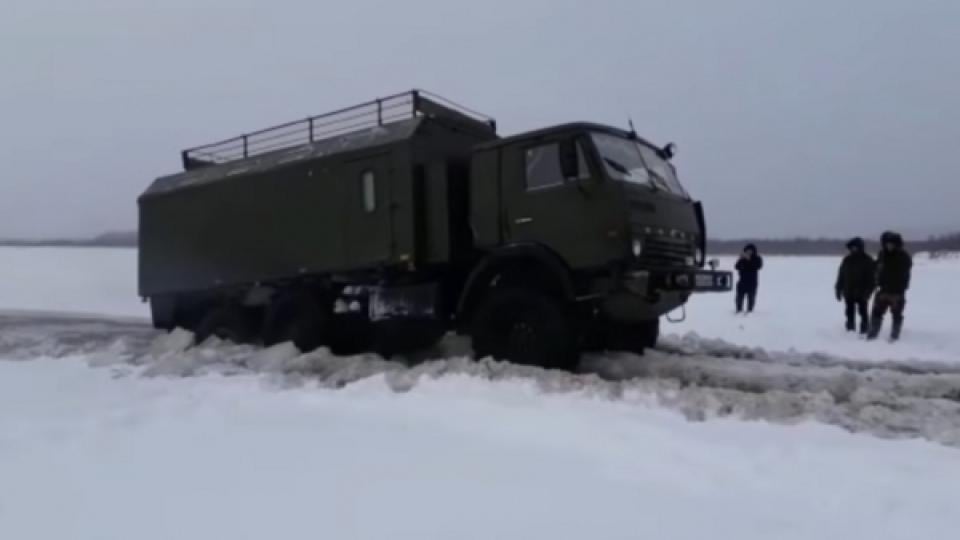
{"type": "Point", "coordinates": [405, 318]}
{"type": "Point", "coordinates": [404, 302]}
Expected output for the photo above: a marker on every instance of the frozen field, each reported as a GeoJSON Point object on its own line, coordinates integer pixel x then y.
{"type": "Point", "coordinates": [796, 307]}
{"type": "Point", "coordinates": [108, 430]}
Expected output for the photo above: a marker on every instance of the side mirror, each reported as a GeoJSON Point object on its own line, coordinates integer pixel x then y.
{"type": "Point", "coordinates": [714, 263]}
{"type": "Point", "coordinates": [669, 151]}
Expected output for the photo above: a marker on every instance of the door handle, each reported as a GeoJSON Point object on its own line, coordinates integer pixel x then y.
{"type": "Point", "coordinates": [523, 220]}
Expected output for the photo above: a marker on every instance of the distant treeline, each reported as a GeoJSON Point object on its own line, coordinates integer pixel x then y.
{"type": "Point", "coordinates": [113, 239]}
{"type": "Point", "coordinates": [828, 246]}
{"type": "Point", "coordinates": [769, 246]}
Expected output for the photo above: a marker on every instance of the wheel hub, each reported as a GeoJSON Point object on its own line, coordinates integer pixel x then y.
{"type": "Point", "coordinates": [523, 336]}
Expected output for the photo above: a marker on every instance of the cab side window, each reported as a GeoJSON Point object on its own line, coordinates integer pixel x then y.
{"type": "Point", "coordinates": [543, 167]}
{"type": "Point", "coordinates": [550, 165]}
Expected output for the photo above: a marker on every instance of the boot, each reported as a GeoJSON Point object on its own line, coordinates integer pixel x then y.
{"type": "Point", "coordinates": [864, 327]}
{"type": "Point", "coordinates": [895, 330]}
{"type": "Point", "coordinates": [875, 324]}
{"type": "Point", "coordinates": [850, 326]}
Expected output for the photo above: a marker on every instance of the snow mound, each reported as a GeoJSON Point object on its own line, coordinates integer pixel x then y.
{"type": "Point", "coordinates": [702, 379]}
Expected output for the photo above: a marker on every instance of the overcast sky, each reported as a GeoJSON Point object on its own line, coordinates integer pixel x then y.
{"type": "Point", "coordinates": [791, 117]}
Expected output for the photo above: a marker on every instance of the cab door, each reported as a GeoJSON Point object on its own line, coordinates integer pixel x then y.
{"type": "Point", "coordinates": [552, 195]}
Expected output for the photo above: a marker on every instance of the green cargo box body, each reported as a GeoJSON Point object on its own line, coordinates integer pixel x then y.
{"type": "Point", "coordinates": [303, 211]}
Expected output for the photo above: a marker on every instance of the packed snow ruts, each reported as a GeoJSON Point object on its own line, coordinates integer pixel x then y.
{"type": "Point", "coordinates": [695, 345]}
{"type": "Point", "coordinates": [700, 378]}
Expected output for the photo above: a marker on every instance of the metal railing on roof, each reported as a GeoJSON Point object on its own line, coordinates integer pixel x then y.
{"type": "Point", "coordinates": [374, 113]}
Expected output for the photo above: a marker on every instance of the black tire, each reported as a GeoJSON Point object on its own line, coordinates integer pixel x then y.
{"type": "Point", "coordinates": [650, 332]}
{"type": "Point", "coordinates": [302, 321]}
{"type": "Point", "coordinates": [404, 337]}
{"type": "Point", "coordinates": [351, 334]}
{"type": "Point", "coordinates": [631, 337]}
{"type": "Point", "coordinates": [525, 327]}
{"type": "Point", "coordinates": [227, 323]}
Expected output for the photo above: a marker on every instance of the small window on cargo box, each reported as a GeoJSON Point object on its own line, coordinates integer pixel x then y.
{"type": "Point", "coordinates": [369, 183]}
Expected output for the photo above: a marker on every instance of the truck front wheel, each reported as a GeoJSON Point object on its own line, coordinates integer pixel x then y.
{"type": "Point", "coordinates": [631, 337]}
{"type": "Point", "coordinates": [650, 330]}
{"type": "Point", "coordinates": [525, 327]}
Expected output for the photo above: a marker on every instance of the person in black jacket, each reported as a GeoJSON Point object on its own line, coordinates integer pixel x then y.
{"type": "Point", "coordinates": [855, 283]}
{"type": "Point", "coordinates": [748, 268]}
{"type": "Point", "coordinates": [893, 279]}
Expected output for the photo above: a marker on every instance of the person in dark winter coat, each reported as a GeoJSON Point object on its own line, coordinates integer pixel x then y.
{"type": "Point", "coordinates": [748, 267]}
{"type": "Point", "coordinates": [894, 265]}
{"type": "Point", "coordinates": [855, 283]}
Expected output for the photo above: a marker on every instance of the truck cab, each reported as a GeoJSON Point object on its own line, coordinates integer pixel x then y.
{"type": "Point", "coordinates": [608, 208]}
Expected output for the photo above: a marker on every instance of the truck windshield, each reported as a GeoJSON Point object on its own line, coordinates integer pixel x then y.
{"type": "Point", "coordinates": [634, 161]}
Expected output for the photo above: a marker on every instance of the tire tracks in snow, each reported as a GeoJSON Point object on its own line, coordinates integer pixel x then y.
{"type": "Point", "coordinates": [699, 378]}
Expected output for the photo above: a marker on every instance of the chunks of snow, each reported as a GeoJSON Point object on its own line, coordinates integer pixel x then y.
{"type": "Point", "coordinates": [728, 421]}
{"type": "Point", "coordinates": [85, 456]}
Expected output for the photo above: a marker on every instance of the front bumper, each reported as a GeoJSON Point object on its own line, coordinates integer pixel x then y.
{"type": "Point", "coordinates": [642, 295]}
{"type": "Point", "coordinates": [688, 280]}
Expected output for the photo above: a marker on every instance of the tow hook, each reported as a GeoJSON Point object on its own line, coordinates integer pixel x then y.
{"type": "Point", "coordinates": [683, 315]}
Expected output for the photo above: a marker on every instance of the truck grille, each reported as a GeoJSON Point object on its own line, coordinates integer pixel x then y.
{"type": "Point", "coordinates": [667, 251]}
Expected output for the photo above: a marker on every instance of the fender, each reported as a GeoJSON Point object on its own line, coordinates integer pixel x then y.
{"type": "Point", "coordinates": [537, 253]}
{"type": "Point", "coordinates": [163, 311]}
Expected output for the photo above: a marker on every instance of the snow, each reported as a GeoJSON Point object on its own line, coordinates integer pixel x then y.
{"type": "Point", "coordinates": [797, 309]}
{"type": "Point", "coordinates": [85, 454]}
{"type": "Point", "coordinates": [71, 280]}
{"type": "Point", "coordinates": [109, 429]}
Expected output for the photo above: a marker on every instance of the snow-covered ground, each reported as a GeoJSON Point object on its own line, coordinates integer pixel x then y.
{"type": "Point", "coordinates": [84, 455]}
{"type": "Point", "coordinates": [797, 309]}
{"type": "Point", "coordinates": [109, 430]}
{"type": "Point", "coordinates": [100, 281]}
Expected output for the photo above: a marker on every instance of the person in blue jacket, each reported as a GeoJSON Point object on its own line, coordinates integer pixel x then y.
{"type": "Point", "coordinates": [748, 268]}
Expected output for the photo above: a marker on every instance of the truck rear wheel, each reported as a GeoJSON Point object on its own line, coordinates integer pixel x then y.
{"type": "Point", "coordinates": [400, 337]}
{"type": "Point", "coordinates": [351, 334]}
{"type": "Point", "coordinates": [227, 323]}
{"type": "Point", "coordinates": [525, 327]}
{"type": "Point", "coordinates": [302, 321]}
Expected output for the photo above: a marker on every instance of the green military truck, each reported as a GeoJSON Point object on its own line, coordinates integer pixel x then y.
{"type": "Point", "coordinates": [386, 225]}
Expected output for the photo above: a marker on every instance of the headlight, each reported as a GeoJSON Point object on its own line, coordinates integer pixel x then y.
{"type": "Point", "coordinates": [637, 247]}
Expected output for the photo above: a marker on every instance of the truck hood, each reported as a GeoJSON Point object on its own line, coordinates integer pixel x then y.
{"type": "Point", "coordinates": [667, 225]}
{"type": "Point", "coordinates": [661, 214]}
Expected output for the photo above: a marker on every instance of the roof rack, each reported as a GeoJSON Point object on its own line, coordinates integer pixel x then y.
{"type": "Point", "coordinates": [395, 108]}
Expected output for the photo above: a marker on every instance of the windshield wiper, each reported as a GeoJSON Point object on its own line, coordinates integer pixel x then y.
{"type": "Point", "coordinates": [628, 174]}
{"type": "Point", "coordinates": [617, 166]}
{"type": "Point", "coordinates": [659, 182]}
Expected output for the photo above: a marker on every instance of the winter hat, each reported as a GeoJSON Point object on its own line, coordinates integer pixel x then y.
{"type": "Point", "coordinates": [855, 242]}
{"type": "Point", "coordinates": [891, 237]}
{"type": "Point", "coordinates": [750, 247]}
